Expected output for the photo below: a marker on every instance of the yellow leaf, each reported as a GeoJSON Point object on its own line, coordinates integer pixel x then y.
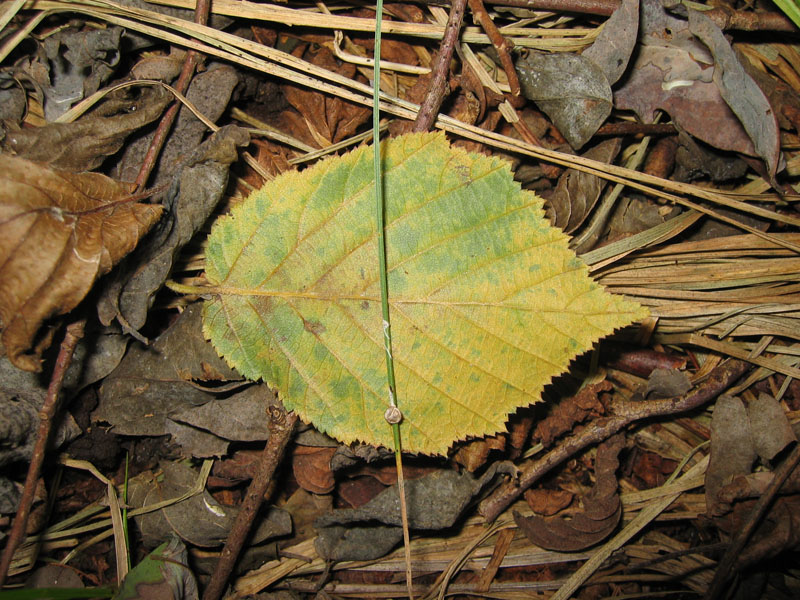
{"type": "Point", "coordinates": [487, 302]}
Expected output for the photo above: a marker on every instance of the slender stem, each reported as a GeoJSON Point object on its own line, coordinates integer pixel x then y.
{"type": "Point", "coordinates": [46, 416]}
{"type": "Point", "coordinates": [503, 45]}
{"type": "Point", "coordinates": [281, 426]}
{"type": "Point", "coordinates": [429, 109]}
{"type": "Point", "coordinates": [393, 414]}
{"type": "Point", "coordinates": [193, 58]}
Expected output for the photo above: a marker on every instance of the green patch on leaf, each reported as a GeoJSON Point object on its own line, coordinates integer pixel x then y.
{"type": "Point", "coordinates": [488, 303]}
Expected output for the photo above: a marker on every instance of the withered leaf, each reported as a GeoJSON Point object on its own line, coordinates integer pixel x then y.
{"type": "Point", "coordinates": [59, 231]}
{"type": "Point", "coordinates": [199, 519]}
{"type": "Point", "coordinates": [577, 192]}
{"type": "Point", "coordinates": [312, 469]}
{"type": "Point", "coordinates": [157, 381]}
{"type": "Point", "coordinates": [548, 502]}
{"type": "Point", "coordinates": [739, 434]}
{"type": "Point", "coordinates": [664, 383]}
{"type": "Point", "coordinates": [674, 71]}
{"type": "Point", "coordinates": [601, 514]}
{"type": "Point", "coordinates": [77, 63]}
{"type": "Point", "coordinates": [326, 118]}
{"type": "Point", "coordinates": [732, 451]}
{"type": "Point", "coordinates": [571, 89]}
{"type": "Point", "coordinates": [435, 501]}
{"type": "Point", "coordinates": [21, 398]}
{"type": "Point", "coordinates": [210, 93]}
{"type": "Point", "coordinates": [772, 431]}
{"type": "Point", "coordinates": [197, 187]}
{"type": "Point", "coordinates": [85, 144]}
{"type": "Point", "coordinates": [472, 455]}
{"type": "Point", "coordinates": [739, 91]}
{"type": "Point", "coordinates": [613, 47]}
{"type": "Point", "coordinates": [570, 411]}
{"type": "Point", "coordinates": [241, 417]}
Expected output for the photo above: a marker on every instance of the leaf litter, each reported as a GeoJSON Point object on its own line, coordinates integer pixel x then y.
{"type": "Point", "coordinates": [710, 298]}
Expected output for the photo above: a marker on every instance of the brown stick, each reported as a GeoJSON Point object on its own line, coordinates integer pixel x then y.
{"type": "Point", "coordinates": [623, 413]}
{"type": "Point", "coordinates": [201, 12]}
{"type": "Point", "coordinates": [46, 416]}
{"type": "Point", "coordinates": [500, 43]}
{"type": "Point", "coordinates": [435, 96]}
{"type": "Point", "coordinates": [281, 426]}
{"type": "Point", "coordinates": [725, 18]}
{"type": "Point", "coordinates": [589, 7]}
{"type": "Point", "coordinates": [630, 128]}
{"type": "Point", "coordinates": [723, 572]}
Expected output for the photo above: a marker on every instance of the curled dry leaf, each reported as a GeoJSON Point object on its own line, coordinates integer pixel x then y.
{"type": "Point", "coordinates": [602, 509]}
{"type": "Point", "coordinates": [586, 403]}
{"type": "Point", "coordinates": [548, 502]}
{"type": "Point", "coordinates": [74, 63]}
{"type": "Point", "coordinates": [197, 186]}
{"type": "Point", "coordinates": [732, 452]}
{"type": "Point", "coordinates": [327, 119]}
{"type": "Point", "coordinates": [312, 469]}
{"type": "Point", "coordinates": [85, 144]}
{"type": "Point", "coordinates": [577, 192]}
{"type": "Point", "coordinates": [740, 434]}
{"type": "Point", "coordinates": [59, 231]}
{"type": "Point", "coordinates": [435, 501]}
{"type": "Point", "coordinates": [200, 519]}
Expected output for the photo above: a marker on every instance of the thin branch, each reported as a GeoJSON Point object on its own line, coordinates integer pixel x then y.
{"type": "Point", "coordinates": [436, 90]}
{"type": "Point", "coordinates": [623, 414]}
{"type": "Point", "coordinates": [501, 44]}
{"type": "Point", "coordinates": [725, 18]}
{"type": "Point", "coordinates": [281, 426]}
{"type": "Point", "coordinates": [46, 416]}
{"type": "Point", "coordinates": [201, 12]}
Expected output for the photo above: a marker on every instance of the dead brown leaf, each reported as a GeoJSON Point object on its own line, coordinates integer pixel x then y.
{"type": "Point", "coordinates": [328, 119]}
{"type": "Point", "coordinates": [570, 411]}
{"type": "Point", "coordinates": [602, 509]}
{"type": "Point", "coordinates": [473, 454]}
{"type": "Point", "coordinates": [548, 502]}
{"type": "Point", "coordinates": [577, 192]}
{"type": "Point", "coordinates": [312, 469]}
{"type": "Point", "coordinates": [85, 144]}
{"type": "Point", "coordinates": [59, 231]}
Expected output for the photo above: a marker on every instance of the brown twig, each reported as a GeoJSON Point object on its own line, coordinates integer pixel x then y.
{"type": "Point", "coordinates": [725, 18]}
{"type": "Point", "coordinates": [436, 89]}
{"type": "Point", "coordinates": [723, 572]}
{"type": "Point", "coordinates": [201, 12]}
{"type": "Point", "coordinates": [589, 7]}
{"type": "Point", "coordinates": [749, 20]}
{"type": "Point", "coordinates": [281, 426]}
{"type": "Point", "coordinates": [500, 43]}
{"type": "Point", "coordinates": [623, 413]}
{"type": "Point", "coordinates": [630, 128]}
{"type": "Point", "coordinates": [46, 416]}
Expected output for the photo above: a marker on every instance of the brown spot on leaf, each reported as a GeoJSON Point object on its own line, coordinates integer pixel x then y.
{"type": "Point", "coordinates": [314, 327]}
